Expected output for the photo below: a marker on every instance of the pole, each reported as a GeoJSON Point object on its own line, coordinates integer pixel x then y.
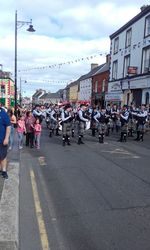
{"type": "Point", "coordinates": [20, 92]}
{"type": "Point", "coordinates": [16, 63]}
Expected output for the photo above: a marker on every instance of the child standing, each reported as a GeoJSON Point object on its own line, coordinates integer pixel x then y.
{"type": "Point", "coordinates": [37, 133]}
{"type": "Point", "coordinates": [21, 129]}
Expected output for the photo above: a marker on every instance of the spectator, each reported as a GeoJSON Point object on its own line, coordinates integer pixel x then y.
{"type": "Point", "coordinates": [29, 124]}
{"type": "Point", "coordinates": [13, 122]}
{"type": "Point", "coordinates": [37, 133]}
{"type": "Point", "coordinates": [21, 129]}
{"type": "Point", "coordinates": [5, 126]}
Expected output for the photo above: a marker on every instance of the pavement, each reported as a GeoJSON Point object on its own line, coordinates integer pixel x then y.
{"type": "Point", "coordinates": [9, 204]}
{"type": "Point", "coordinates": [9, 199]}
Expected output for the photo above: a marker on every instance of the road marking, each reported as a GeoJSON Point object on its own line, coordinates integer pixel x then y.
{"type": "Point", "coordinates": [39, 215]}
{"type": "Point", "coordinates": [121, 152]}
{"type": "Point", "coordinates": [41, 160]}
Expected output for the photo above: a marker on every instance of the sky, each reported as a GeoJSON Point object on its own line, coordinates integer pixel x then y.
{"type": "Point", "coordinates": [69, 36]}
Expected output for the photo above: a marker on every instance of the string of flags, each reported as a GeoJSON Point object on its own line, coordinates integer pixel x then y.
{"type": "Point", "coordinates": [64, 63]}
{"type": "Point", "coordinates": [144, 42]}
{"type": "Point", "coordinates": [47, 81]}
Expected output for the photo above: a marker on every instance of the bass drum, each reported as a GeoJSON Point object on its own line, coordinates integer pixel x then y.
{"type": "Point", "coordinates": [60, 125]}
{"type": "Point", "coordinates": [88, 125]}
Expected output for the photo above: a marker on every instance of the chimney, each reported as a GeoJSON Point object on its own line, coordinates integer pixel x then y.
{"type": "Point", "coordinates": [94, 65]}
{"type": "Point", "coordinates": [143, 7]}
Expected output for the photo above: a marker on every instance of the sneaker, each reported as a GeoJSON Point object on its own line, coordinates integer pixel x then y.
{"type": "Point", "coordinates": [10, 148]}
{"type": "Point", "coordinates": [4, 175]}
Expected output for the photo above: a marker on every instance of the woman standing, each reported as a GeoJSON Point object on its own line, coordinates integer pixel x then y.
{"type": "Point", "coordinates": [29, 124]}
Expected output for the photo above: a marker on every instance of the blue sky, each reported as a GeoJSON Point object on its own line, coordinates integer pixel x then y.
{"type": "Point", "coordinates": [66, 30]}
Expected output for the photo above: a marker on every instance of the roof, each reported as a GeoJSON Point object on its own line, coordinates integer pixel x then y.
{"type": "Point", "coordinates": [104, 68]}
{"type": "Point", "coordinates": [131, 22]}
{"type": "Point", "coordinates": [91, 73]}
{"type": "Point", "coordinates": [50, 96]}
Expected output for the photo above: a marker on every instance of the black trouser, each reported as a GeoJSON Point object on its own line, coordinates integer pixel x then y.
{"type": "Point", "coordinates": [29, 138]}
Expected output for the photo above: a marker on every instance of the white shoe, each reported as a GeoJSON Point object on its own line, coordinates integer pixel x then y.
{"type": "Point", "coordinates": [20, 147]}
{"type": "Point", "coordinates": [10, 148]}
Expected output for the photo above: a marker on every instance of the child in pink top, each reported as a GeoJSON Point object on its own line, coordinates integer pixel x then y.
{"type": "Point", "coordinates": [21, 129]}
{"type": "Point", "coordinates": [37, 133]}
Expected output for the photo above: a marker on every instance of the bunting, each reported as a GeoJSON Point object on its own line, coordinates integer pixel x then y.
{"type": "Point", "coordinates": [63, 63]}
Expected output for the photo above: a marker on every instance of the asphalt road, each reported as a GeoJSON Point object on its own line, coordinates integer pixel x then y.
{"type": "Point", "coordinates": [92, 196]}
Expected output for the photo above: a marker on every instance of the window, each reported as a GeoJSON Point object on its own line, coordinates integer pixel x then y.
{"type": "Point", "coordinates": [116, 45]}
{"type": "Point", "coordinates": [103, 85]}
{"type": "Point", "coordinates": [146, 60]}
{"type": "Point", "coordinates": [128, 38]}
{"type": "Point", "coordinates": [96, 85]}
{"type": "Point", "coordinates": [147, 26]}
{"type": "Point", "coordinates": [147, 98]}
{"type": "Point", "coordinates": [126, 65]}
{"type": "Point", "coordinates": [115, 69]}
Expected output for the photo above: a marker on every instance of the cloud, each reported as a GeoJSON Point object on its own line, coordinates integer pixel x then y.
{"type": "Point", "coordinates": [65, 31]}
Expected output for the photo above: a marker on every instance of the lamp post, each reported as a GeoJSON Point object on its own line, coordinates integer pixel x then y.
{"type": "Point", "coordinates": [19, 24]}
{"type": "Point", "coordinates": [21, 96]}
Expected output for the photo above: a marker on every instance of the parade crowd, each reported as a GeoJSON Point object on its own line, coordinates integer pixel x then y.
{"type": "Point", "coordinates": [73, 121]}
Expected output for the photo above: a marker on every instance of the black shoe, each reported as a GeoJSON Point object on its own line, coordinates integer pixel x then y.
{"type": "Point", "coordinates": [81, 142]}
{"type": "Point", "coordinates": [50, 134]}
{"type": "Point", "coordinates": [4, 175]}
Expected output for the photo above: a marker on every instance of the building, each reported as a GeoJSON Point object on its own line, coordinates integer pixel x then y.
{"type": "Point", "coordinates": [100, 83]}
{"type": "Point", "coordinates": [36, 96]}
{"type": "Point", "coordinates": [49, 98]}
{"type": "Point", "coordinates": [129, 79]}
{"type": "Point", "coordinates": [73, 91]}
{"type": "Point", "coordinates": [85, 85]}
{"type": "Point", "coordinates": [7, 89]}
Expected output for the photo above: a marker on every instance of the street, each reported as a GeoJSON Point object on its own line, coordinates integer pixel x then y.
{"type": "Point", "coordinates": [85, 197]}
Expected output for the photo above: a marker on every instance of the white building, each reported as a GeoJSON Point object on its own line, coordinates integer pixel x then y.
{"type": "Point", "coordinates": [129, 79]}
{"type": "Point", "coordinates": [85, 84]}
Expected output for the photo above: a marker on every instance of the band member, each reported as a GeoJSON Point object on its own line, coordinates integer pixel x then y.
{"type": "Point", "coordinates": [114, 117]}
{"type": "Point", "coordinates": [132, 121]}
{"type": "Point", "coordinates": [54, 121]}
{"type": "Point", "coordinates": [101, 126]}
{"type": "Point", "coordinates": [82, 119]}
{"type": "Point", "coordinates": [67, 117]}
{"type": "Point", "coordinates": [124, 118]}
{"type": "Point", "coordinates": [93, 122]}
{"type": "Point", "coordinates": [37, 113]}
{"type": "Point", "coordinates": [108, 119]}
{"type": "Point", "coordinates": [141, 120]}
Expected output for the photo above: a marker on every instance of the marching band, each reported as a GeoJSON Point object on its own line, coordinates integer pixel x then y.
{"type": "Point", "coordinates": [102, 122]}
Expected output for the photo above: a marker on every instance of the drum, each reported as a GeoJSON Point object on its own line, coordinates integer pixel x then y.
{"type": "Point", "coordinates": [88, 125]}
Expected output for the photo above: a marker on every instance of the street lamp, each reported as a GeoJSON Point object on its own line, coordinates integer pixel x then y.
{"type": "Point", "coordinates": [21, 96]}
{"type": "Point", "coordinates": [19, 24]}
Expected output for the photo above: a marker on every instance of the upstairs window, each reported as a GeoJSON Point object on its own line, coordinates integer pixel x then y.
{"type": "Point", "coordinates": [147, 26]}
{"type": "Point", "coordinates": [128, 38]}
{"type": "Point", "coordinates": [96, 85]}
{"type": "Point", "coordinates": [126, 65]}
{"type": "Point", "coordinates": [146, 60]}
{"type": "Point", "coordinates": [116, 45]}
{"type": "Point", "coordinates": [115, 70]}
